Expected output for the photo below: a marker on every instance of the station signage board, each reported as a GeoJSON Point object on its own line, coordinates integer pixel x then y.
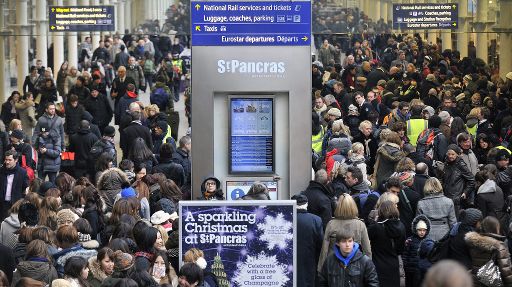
{"type": "Point", "coordinates": [81, 18]}
{"type": "Point", "coordinates": [425, 16]}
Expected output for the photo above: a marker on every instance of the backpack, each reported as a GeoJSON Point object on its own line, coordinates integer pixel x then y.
{"type": "Point", "coordinates": [425, 144]}
{"type": "Point", "coordinates": [97, 149]}
{"type": "Point", "coordinates": [364, 196]}
{"type": "Point", "coordinates": [149, 67]}
{"type": "Point", "coordinates": [160, 98]}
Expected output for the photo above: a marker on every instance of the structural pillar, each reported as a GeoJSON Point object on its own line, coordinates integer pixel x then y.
{"type": "Point", "coordinates": [128, 15]}
{"type": "Point", "coordinates": [482, 43]}
{"type": "Point", "coordinates": [58, 45]}
{"type": "Point", "coordinates": [147, 9]}
{"type": "Point", "coordinates": [72, 43]}
{"type": "Point", "coordinates": [105, 33]}
{"type": "Point", "coordinates": [96, 35]}
{"type": "Point", "coordinates": [504, 28]}
{"type": "Point", "coordinates": [121, 8]}
{"type": "Point", "coordinates": [3, 35]}
{"type": "Point", "coordinates": [366, 7]}
{"type": "Point", "coordinates": [463, 36]}
{"type": "Point", "coordinates": [432, 36]}
{"type": "Point", "coordinates": [42, 28]}
{"type": "Point", "coordinates": [384, 7]}
{"type": "Point", "coordinates": [22, 41]}
{"type": "Point", "coordinates": [376, 10]}
{"type": "Point", "coordinates": [84, 34]}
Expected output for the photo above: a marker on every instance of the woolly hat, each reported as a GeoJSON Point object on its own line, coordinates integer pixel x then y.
{"type": "Point", "coordinates": [66, 215]}
{"type": "Point", "coordinates": [455, 148]}
{"type": "Point", "coordinates": [128, 192]}
{"type": "Point", "coordinates": [18, 134]}
{"type": "Point", "coordinates": [502, 155]}
{"type": "Point", "coordinates": [430, 77]}
{"type": "Point", "coordinates": [406, 178]}
{"type": "Point", "coordinates": [343, 145]}
{"type": "Point", "coordinates": [160, 217]}
{"type": "Point", "coordinates": [167, 205]}
{"type": "Point", "coordinates": [460, 97]}
{"type": "Point", "coordinates": [471, 216]}
{"type": "Point", "coordinates": [444, 115]}
{"type": "Point", "coordinates": [334, 112]}
{"type": "Point", "coordinates": [421, 225]}
{"type": "Point", "coordinates": [61, 283]}
{"type": "Point", "coordinates": [352, 109]}
{"type": "Point", "coordinates": [300, 198]}
{"type": "Point", "coordinates": [45, 186]}
{"type": "Point", "coordinates": [109, 131]}
{"type": "Point", "coordinates": [122, 261]}
{"type": "Point", "coordinates": [173, 216]}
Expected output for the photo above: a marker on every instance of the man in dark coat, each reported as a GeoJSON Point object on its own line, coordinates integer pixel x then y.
{"type": "Point", "coordinates": [13, 182]}
{"type": "Point", "coordinates": [7, 263]}
{"type": "Point", "coordinates": [119, 85]}
{"type": "Point", "coordinates": [81, 143]}
{"type": "Point", "coordinates": [420, 178]}
{"type": "Point", "coordinates": [309, 242]}
{"type": "Point", "coordinates": [166, 166]}
{"type": "Point", "coordinates": [98, 106]}
{"type": "Point", "coordinates": [320, 198]}
{"type": "Point", "coordinates": [181, 157]}
{"type": "Point", "coordinates": [408, 198]}
{"type": "Point", "coordinates": [134, 130]}
{"type": "Point", "coordinates": [376, 75]}
{"type": "Point", "coordinates": [458, 249]}
{"type": "Point", "coordinates": [80, 90]}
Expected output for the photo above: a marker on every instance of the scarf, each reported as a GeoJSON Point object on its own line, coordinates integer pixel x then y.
{"type": "Point", "coordinates": [82, 237]}
{"type": "Point", "coordinates": [147, 255]}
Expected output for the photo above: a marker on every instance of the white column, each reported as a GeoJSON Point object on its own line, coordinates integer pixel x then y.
{"type": "Point", "coordinates": [95, 35]}
{"type": "Point", "coordinates": [22, 41]}
{"type": "Point", "coordinates": [432, 36]}
{"type": "Point", "coordinates": [3, 35]}
{"type": "Point", "coordinates": [504, 28]}
{"type": "Point", "coordinates": [117, 15]}
{"type": "Point", "coordinates": [107, 2]}
{"type": "Point", "coordinates": [120, 8]}
{"type": "Point", "coordinates": [463, 36]}
{"type": "Point", "coordinates": [85, 33]}
{"type": "Point", "coordinates": [128, 15]}
{"type": "Point", "coordinates": [446, 37]}
{"type": "Point", "coordinates": [42, 28]}
{"type": "Point", "coordinates": [58, 45]}
{"type": "Point", "coordinates": [480, 25]}
{"type": "Point", "coordinates": [384, 7]}
{"type": "Point", "coordinates": [147, 9]}
{"type": "Point", "coordinates": [72, 43]}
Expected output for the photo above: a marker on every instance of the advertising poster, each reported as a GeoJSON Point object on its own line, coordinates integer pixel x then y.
{"type": "Point", "coordinates": [246, 243]}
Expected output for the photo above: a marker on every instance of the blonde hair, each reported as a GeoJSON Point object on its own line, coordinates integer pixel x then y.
{"type": "Point", "coordinates": [338, 169]}
{"type": "Point", "coordinates": [192, 255]}
{"type": "Point", "coordinates": [346, 207]}
{"type": "Point", "coordinates": [365, 124]}
{"type": "Point", "coordinates": [163, 233]}
{"type": "Point", "coordinates": [386, 196]}
{"type": "Point", "coordinates": [339, 128]}
{"type": "Point", "coordinates": [432, 186]}
{"type": "Point", "coordinates": [357, 147]}
{"type": "Point", "coordinates": [14, 123]}
{"type": "Point", "coordinates": [152, 107]}
{"type": "Point", "coordinates": [475, 112]}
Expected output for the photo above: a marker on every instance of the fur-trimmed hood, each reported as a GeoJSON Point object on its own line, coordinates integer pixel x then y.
{"type": "Point", "coordinates": [486, 242]}
{"type": "Point", "coordinates": [111, 179]}
{"type": "Point", "coordinates": [417, 219]}
{"type": "Point", "coordinates": [95, 269]}
{"type": "Point", "coordinates": [391, 152]}
{"type": "Point", "coordinates": [90, 244]}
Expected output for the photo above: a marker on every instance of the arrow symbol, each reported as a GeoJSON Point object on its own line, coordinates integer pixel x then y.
{"type": "Point", "coordinates": [52, 27]}
{"type": "Point", "coordinates": [304, 38]}
{"type": "Point", "coordinates": [454, 24]}
{"type": "Point", "coordinates": [198, 28]}
{"type": "Point", "coordinates": [198, 6]}
{"type": "Point", "coordinates": [454, 6]}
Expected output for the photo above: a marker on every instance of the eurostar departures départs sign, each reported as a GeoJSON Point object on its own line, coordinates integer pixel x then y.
{"type": "Point", "coordinates": [269, 23]}
{"type": "Point", "coordinates": [425, 16]}
{"type": "Point", "coordinates": [81, 18]}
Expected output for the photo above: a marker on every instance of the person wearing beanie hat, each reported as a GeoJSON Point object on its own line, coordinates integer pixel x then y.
{"type": "Point", "coordinates": [45, 186]}
{"type": "Point", "coordinates": [310, 235]}
{"type": "Point", "coordinates": [458, 181]}
{"type": "Point", "coordinates": [334, 114]}
{"type": "Point", "coordinates": [413, 263]}
{"type": "Point", "coordinates": [502, 159]}
{"type": "Point", "coordinates": [66, 217]}
{"type": "Point", "coordinates": [459, 250]}
{"type": "Point", "coordinates": [128, 192]}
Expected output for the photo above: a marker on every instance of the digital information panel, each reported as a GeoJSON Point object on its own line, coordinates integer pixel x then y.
{"type": "Point", "coordinates": [251, 135]}
{"type": "Point", "coordinates": [81, 18]}
{"type": "Point", "coordinates": [239, 188]}
{"type": "Point", "coordinates": [425, 16]}
{"type": "Point", "coordinates": [251, 23]}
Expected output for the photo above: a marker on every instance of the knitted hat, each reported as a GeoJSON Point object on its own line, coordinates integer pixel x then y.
{"type": "Point", "coordinates": [421, 225]}
{"type": "Point", "coordinates": [352, 109]}
{"type": "Point", "coordinates": [122, 261]}
{"type": "Point", "coordinates": [61, 283]}
{"type": "Point", "coordinates": [502, 155]}
{"type": "Point", "coordinates": [381, 83]}
{"type": "Point", "coordinates": [471, 216]}
{"type": "Point", "coordinates": [66, 215]}
{"type": "Point", "coordinates": [334, 112]}
{"type": "Point", "coordinates": [300, 198]}
{"type": "Point", "coordinates": [167, 205]}
{"type": "Point", "coordinates": [430, 77]}
{"type": "Point", "coordinates": [173, 216]}
{"type": "Point", "coordinates": [45, 186]}
{"type": "Point", "coordinates": [406, 178]}
{"type": "Point", "coordinates": [128, 192]}
{"type": "Point", "coordinates": [444, 115]}
{"type": "Point", "coordinates": [18, 134]}
{"type": "Point", "coordinates": [455, 148]}
{"type": "Point", "coordinates": [109, 131]}
{"type": "Point", "coordinates": [160, 217]}
{"type": "Point", "coordinates": [460, 97]}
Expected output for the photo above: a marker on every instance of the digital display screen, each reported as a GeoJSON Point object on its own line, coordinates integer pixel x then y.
{"type": "Point", "coordinates": [237, 189]}
{"type": "Point", "coordinates": [251, 135]}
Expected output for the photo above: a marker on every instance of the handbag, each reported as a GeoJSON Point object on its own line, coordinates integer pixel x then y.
{"type": "Point", "coordinates": [67, 159]}
{"type": "Point", "coordinates": [489, 274]}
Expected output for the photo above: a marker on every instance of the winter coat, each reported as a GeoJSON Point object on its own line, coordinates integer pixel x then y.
{"type": "Point", "coordinates": [354, 271]}
{"type": "Point", "coordinates": [55, 124]}
{"type": "Point", "coordinates": [73, 117]}
{"type": "Point", "coordinates": [50, 160]}
{"type": "Point", "coordinates": [81, 143]}
{"type": "Point", "coordinates": [256, 196]}
{"type": "Point", "coordinates": [37, 270]}
{"type": "Point", "coordinates": [371, 145]}
{"type": "Point", "coordinates": [309, 237]}
{"type": "Point", "coordinates": [440, 211]}
{"type": "Point", "coordinates": [109, 185]}
{"type": "Point", "coordinates": [46, 95]}
{"type": "Point", "coordinates": [459, 249]}
{"type": "Point", "coordinates": [320, 201]}
{"type": "Point", "coordinates": [181, 157]}
{"type": "Point", "coordinates": [95, 219]}
{"type": "Point", "coordinates": [161, 96]}
{"type": "Point", "coordinates": [388, 155]}
{"type": "Point", "coordinates": [19, 183]}
{"type": "Point", "coordinates": [470, 160]}
{"type": "Point", "coordinates": [360, 190]}
{"type": "Point", "coordinates": [7, 262]}
{"type": "Point", "coordinates": [388, 239]}
{"type": "Point", "coordinates": [27, 114]}
{"type": "Point", "coordinates": [457, 180]}
{"type": "Point", "coordinates": [336, 225]}
{"type": "Point", "coordinates": [6, 114]}
{"type": "Point", "coordinates": [490, 200]}
{"type": "Point", "coordinates": [407, 205]}
{"type": "Point", "coordinates": [96, 275]}
{"type": "Point", "coordinates": [82, 93]}
{"type": "Point", "coordinates": [482, 247]}
{"type": "Point", "coordinates": [63, 255]}
{"type": "Point", "coordinates": [133, 131]}
{"type": "Point", "coordinates": [419, 183]}
{"type": "Point", "coordinates": [504, 180]}
{"type": "Point", "coordinates": [217, 195]}
{"type": "Point", "coordinates": [100, 109]}
{"type": "Point", "coordinates": [7, 229]}
{"type": "Point", "coordinates": [19, 252]}
{"type": "Point", "coordinates": [135, 72]}
{"type": "Point", "coordinates": [410, 257]}
{"type": "Point", "coordinates": [124, 104]}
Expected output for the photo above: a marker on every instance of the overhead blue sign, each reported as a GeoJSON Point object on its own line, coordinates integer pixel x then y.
{"type": "Point", "coordinates": [425, 16]}
{"type": "Point", "coordinates": [81, 18]}
{"type": "Point", "coordinates": [251, 23]}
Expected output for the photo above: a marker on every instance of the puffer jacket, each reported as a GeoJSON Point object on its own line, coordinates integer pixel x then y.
{"type": "Point", "coordinates": [355, 270]}
{"type": "Point", "coordinates": [55, 123]}
{"type": "Point", "coordinates": [50, 160]}
{"type": "Point", "coordinates": [458, 179]}
{"type": "Point", "coordinates": [490, 200]}
{"type": "Point", "coordinates": [109, 185]}
{"type": "Point", "coordinates": [482, 247]}
{"type": "Point", "coordinates": [38, 270]}
{"type": "Point", "coordinates": [388, 155]}
{"type": "Point", "coordinates": [7, 229]}
{"type": "Point", "coordinates": [410, 256]}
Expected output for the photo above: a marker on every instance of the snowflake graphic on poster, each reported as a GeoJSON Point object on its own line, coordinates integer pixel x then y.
{"type": "Point", "coordinates": [262, 269]}
{"type": "Point", "coordinates": [275, 231]}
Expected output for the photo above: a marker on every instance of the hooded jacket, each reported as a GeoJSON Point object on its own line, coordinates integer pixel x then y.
{"type": "Point", "coordinates": [489, 199]}
{"type": "Point", "coordinates": [38, 269]}
{"type": "Point", "coordinates": [217, 195]}
{"type": "Point", "coordinates": [110, 184]}
{"type": "Point", "coordinates": [124, 103]}
{"type": "Point", "coordinates": [96, 275]}
{"type": "Point", "coordinates": [388, 155]}
{"type": "Point", "coordinates": [354, 270]}
{"type": "Point", "coordinates": [320, 201]}
{"type": "Point", "coordinates": [411, 256]}
{"type": "Point", "coordinates": [482, 247]}
{"type": "Point", "coordinates": [27, 113]}
{"type": "Point", "coordinates": [7, 229]}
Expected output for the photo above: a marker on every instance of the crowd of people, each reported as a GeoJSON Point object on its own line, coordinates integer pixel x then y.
{"type": "Point", "coordinates": [411, 150]}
